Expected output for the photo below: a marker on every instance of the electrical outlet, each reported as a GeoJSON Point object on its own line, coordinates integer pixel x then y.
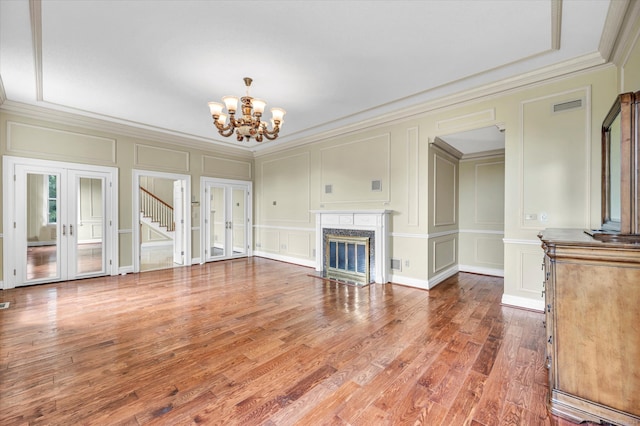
{"type": "Point", "coordinates": [406, 263]}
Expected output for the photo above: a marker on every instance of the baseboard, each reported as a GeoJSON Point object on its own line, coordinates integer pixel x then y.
{"type": "Point", "coordinates": [523, 302]}
{"type": "Point", "coordinates": [195, 260]}
{"type": "Point", "coordinates": [428, 284]}
{"type": "Point", "coordinates": [161, 243]}
{"type": "Point", "coordinates": [123, 270]}
{"type": "Point", "coordinates": [409, 282]}
{"type": "Point", "coordinates": [437, 279]}
{"type": "Point", "coordinates": [295, 260]}
{"type": "Point", "coordinates": [480, 270]}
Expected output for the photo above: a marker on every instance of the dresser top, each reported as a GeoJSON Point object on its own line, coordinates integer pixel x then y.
{"type": "Point", "coordinates": [580, 237]}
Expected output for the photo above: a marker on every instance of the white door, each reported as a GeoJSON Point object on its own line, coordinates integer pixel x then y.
{"type": "Point", "coordinates": [178, 218]}
{"type": "Point", "coordinates": [226, 219]}
{"type": "Point", "coordinates": [60, 222]}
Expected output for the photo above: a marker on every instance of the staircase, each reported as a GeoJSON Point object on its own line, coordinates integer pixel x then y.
{"type": "Point", "coordinates": [156, 213]}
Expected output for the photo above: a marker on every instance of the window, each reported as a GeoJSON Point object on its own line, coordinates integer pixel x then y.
{"type": "Point", "coordinates": [52, 199]}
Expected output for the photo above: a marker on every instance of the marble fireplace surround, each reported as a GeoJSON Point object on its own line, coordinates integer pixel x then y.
{"type": "Point", "coordinates": [357, 220]}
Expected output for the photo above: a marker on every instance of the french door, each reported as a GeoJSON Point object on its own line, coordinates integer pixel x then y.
{"type": "Point", "coordinates": [60, 221]}
{"type": "Point", "coordinates": [226, 219]}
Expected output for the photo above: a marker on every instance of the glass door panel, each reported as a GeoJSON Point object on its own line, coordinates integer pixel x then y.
{"type": "Point", "coordinates": [226, 221]}
{"type": "Point", "coordinates": [88, 229]}
{"type": "Point", "coordinates": [239, 222]}
{"type": "Point", "coordinates": [217, 222]}
{"type": "Point", "coordinates": [42, 192]}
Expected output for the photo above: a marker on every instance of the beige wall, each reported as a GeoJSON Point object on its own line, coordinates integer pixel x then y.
{"type": "Point", "coordinates": [549, 165]}
{"type": "Point", "coordinates": [81, 140]}
{"type": "Point", "coordinates": [551, 176]}
{"type": "Point", "coordinates": [481, 200]}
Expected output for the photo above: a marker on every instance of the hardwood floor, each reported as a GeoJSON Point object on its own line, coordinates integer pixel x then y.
{"type": "Point", "coordinates": [255, 341]}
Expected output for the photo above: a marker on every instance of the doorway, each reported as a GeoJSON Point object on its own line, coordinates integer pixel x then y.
{"type": "Point", "coordinates": [60, 221]}
{"type": "Point", "coordinates": [226, 219]}
{"type": "Point", "coordinates": [162, 220]}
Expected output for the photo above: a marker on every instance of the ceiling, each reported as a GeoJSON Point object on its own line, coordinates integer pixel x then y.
{"type": "Point", "coordinates": [154, 65]}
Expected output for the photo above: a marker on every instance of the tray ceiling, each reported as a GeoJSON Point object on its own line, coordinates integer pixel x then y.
{"type": "Point", "coordinates": [330, 64]}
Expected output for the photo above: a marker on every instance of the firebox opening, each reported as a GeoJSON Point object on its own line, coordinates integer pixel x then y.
{"type": "Point", "coordinates": [347, 258]}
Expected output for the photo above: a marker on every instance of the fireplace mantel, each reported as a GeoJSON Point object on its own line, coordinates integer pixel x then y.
{"type": "Point", "coordinates": [370, 220]}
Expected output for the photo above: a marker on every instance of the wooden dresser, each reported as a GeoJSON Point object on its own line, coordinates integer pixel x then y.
{"type": "Point", "coordinates": [592, 306]}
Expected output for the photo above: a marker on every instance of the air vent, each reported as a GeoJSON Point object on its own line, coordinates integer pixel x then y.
{"type": "Point", "coordinates": [4, 305]}
{"type": "Point", "coordinates": [376, 185]}
{"type": "Point", "coordinates": [396, 264]}
{"type": "Point", "coordinates": [328, 189]}
{"type": "Point", "coordinates": [565, 106]}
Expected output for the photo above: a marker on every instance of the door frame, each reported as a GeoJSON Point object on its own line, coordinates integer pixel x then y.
{"type": "Point", "coordinates": [135, 189]}
{"type": "Point", "coordinates": [208, 181]}
{"type": "Point", "coordinates": [10, 215]}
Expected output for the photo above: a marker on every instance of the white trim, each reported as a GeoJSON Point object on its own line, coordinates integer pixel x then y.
{"type": "Point", "coordinates": [369, 220]}
{"type": "Point", "coordinates": [480, 270]}
{"type": "Point", "coordinates": [125, 231]}
{"type": "Point", "coordinates": [523, 302]}
{"type": "Point", "coordinates": [157, 243]}
{"type": "Point", "coordinates": [480, 231]}
{"type": "Point", "coordinates": [284, 228]}
{"type": "Point", "coordinates": [443, 233]}
{"type": "Point", "coordinates": [111, 197]}
{"type": "Point", "coordinates": [407, 235]}
{"type": "Point", "coordinates": [195, 261]}
{"type": "Point", "coordinates": [206, 183]}
{"type": "Point", "coordinates": [124, 270]}
{"type": "Point", "coordinates": [411, 282]}
{"type": "Point", "coordinates": [437, 279]}
{"type": "Point", "coordinates": [295, 260]}
{"type": "Point", "coordinates": [523, 242]}
{"type": "Point", "coordinates": [136, 174]}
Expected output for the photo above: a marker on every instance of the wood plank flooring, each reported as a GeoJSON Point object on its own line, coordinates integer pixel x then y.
{"type": "Point", "coordinates": [255, 341]}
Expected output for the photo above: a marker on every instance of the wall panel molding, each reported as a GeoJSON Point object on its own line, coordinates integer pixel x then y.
{"type": "Point", "coordinates": [59, 144]}
{"type": "Point", "coordinates": [445, 194]}
{"type": "Point", "coordinates": [357, 170]}
{"type": "Point", "coordinates": [226, 168]}
{"type": "Point", "coordinates": [413, 176]}
{"type": "Point", "coordinates": [154, 157]}
{"type": "Point", "coordinates": [444, 254]}
{"type": "Point", "coordinates": [467, 120]}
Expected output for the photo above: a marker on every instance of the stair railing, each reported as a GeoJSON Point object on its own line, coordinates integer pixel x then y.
{"type": "Point", "coordinates": [156, 209]}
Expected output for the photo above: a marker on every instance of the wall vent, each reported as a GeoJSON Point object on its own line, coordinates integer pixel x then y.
{"type": "Point", "coordinates": [376, 185]}
{"type": "Point", "coordinates": [328, 189]}
{"type": "Point", "coordinates": [4, 305]}
{"type": "Point", "coordinates": [565, 106]}
{"type": "Point", "coordinates": [396, 264]}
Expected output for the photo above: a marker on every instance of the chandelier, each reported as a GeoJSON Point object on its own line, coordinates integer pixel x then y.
{"type": "Point", "coordinates": [249, 125]}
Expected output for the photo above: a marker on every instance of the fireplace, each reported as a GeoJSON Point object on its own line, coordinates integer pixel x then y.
{"type": "Point", "coordinates": [350, 230]}
{"type": "Point", "coordinates": [348, 257]}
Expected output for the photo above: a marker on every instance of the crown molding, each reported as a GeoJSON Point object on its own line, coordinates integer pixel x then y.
{"type": "Point", "coordinates": [3, 94]}
{"type": "Point", "coordinates": [112, 126]}
{"type": "Point", "coordinates": [584, 63]}
{"type": "Point", "coordinates": [35, 16]}
{"type": "Point", "coordinates": [556, 23]}
{"type": "Point", "coordinates": [447, 148]}
{"type": "Point", "coordinates": [613, 23]}
{"type": "Point", "coordinates": [483, 154]}
{"type": "Point", "coordinates": [627, 32]}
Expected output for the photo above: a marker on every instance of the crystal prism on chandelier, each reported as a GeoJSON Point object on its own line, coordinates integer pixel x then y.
{"type": "Point", "coordinates": [249, 125]}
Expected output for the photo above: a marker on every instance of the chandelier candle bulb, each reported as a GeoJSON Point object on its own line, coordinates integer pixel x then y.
{"type": "Point", "coordinates": [216, 108]}
{"type": "Point", "coordinates": [278, 114]}
{"type": "Point", "coordinates": [231, 102]}
{"type": "Point", "coordinates": [248, 125]}
{"type": "Point", "coordinates": [258, 106]}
